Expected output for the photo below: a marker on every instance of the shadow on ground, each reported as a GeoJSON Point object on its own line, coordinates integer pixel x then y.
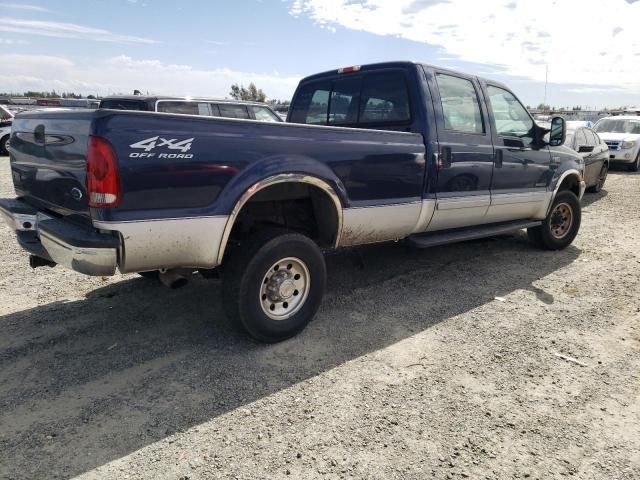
{"type": "Point", "coordinates": [85, 382]}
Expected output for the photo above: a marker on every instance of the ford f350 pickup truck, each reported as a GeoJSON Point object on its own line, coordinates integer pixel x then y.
{"type": "Point", "coordinates": [384, 152]}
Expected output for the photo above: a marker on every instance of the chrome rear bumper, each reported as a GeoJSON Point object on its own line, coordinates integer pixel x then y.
{"type": "Point", "coordinates": [75, 247]}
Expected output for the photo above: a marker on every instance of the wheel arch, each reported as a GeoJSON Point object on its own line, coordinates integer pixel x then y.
{"type": "Point", "coordinates": [279, 179]}
{"type": "Point", "coordinates": [569, 180]}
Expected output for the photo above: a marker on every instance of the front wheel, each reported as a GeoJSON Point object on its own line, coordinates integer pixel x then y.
{"type": "Point", "coordinates": [561, 226]}
{"type": "Point", "coordinates": [273, 284]}
{"type": "Point", "coordinates": [635, 166]}
{"type": "Point", "coordinates": [4, 145]}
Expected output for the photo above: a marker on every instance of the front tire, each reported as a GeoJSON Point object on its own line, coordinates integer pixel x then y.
{"type": "Point", "coordinates": [273, 284]}
{"type": "Point", "coordinates": [562, 224]}
{"type": "Point", "coordinates": [4, 145]}
{"type": "Point", "coordinates": [635, 166]}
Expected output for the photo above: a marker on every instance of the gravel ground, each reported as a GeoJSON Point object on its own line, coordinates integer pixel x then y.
{"type": "Point", "coordinates": [439, 363]}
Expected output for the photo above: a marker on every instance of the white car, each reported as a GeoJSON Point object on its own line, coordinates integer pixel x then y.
{"type": "Point", "coordinates": [622, 135]}
{"type": "Point", "coordinates": [6, 117]}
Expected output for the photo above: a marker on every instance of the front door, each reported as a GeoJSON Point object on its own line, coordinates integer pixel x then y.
{"type": "Point", "coordinates": [465, 152]}
{"type": "Point", "coordinates": [522, 170]}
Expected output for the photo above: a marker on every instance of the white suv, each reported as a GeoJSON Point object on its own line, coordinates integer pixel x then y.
{"type": "Point", "coordinates": [622, 135]}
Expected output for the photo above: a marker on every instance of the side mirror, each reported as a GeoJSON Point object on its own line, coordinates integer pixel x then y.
{"type": "Point", "coordinates": [558, 131]}
{"type": "Point", "coordinates": [585, 148]}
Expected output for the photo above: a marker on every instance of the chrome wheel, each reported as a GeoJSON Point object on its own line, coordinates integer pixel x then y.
{"type": "Point", "coordinates": [284, 288]}
{"type": "Point", "coordinates": [561, 220]}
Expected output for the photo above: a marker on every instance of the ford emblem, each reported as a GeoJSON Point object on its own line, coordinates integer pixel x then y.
{"type": "Point", "coordinates": [76, 193]}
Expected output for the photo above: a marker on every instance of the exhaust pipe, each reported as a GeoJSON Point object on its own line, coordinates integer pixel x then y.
{"type": "Point", "coordinates": [172, 279]}
{"type": "Point", "coordinates": [35, 262]}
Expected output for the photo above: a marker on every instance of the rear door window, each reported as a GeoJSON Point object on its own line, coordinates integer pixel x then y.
{"type": "Point", "coordinates": [581, 138]}
{"type": "Point", "coordinates": [460, 105]}
{"type": "Point", "coordinates": [184, 108]}
{"type": "Point", "coordinates": [233, 111]}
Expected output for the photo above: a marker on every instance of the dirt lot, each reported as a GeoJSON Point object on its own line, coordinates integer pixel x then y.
{"type": "Point", "coordinates": [421, 364]}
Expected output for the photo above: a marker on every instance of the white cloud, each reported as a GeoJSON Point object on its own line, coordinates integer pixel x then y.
{"type": "Point", "coordinates": [12, 41]}
{"type": "Point", "coordinates": [591, 42]}
{"type": "Point", "coordinates": [67, 30]}
{"type": "Point", "coordinates": [122, 74]}
{"type": "Point", "coordinates": [23, 6]}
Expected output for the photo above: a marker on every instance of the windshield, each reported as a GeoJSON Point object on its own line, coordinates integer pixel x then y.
{"type": "Point", "coordinates": [618, 126]}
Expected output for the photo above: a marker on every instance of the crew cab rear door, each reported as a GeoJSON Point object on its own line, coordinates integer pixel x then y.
{"type": "Point", "coordinates": [465, 151]}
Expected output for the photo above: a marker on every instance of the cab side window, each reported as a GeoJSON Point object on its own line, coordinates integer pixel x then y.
{"type": "Point", "coordinates": [460, 105]}
{"type": "Point", "coordinates": [581, 138]}
{"type": "Point", "coordinates": [512, 119]}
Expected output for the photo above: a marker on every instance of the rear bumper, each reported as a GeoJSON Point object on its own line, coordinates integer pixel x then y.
{"type": "Point", "coordinates": [78, 248]}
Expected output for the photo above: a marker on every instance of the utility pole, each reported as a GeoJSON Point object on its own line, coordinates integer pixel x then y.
{"type": "Point", "coordinates": [546, 78]}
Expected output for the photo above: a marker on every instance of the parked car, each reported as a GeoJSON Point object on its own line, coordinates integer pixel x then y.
{"type": "Point", "coordinates": [595, 153]}
{"type": "Point", "coordinates": [622, 135]}
{"type": "Point", "coordinates": [177, 194]}
{"type": "Point", "coordinates": [193, 106]}
{"type": "Point", "coordinates": [6, 118]}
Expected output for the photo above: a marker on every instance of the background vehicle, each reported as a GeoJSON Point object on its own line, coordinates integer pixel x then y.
{"type": "Point", "coordinates": [622, 135]}
{"type": "Point", "coordinates": [193, 106]}
{"type": "Point", "coordinates": [595, 153]}
{"type": "Point", "coordinates": [6, 118]}
{"type": "Point", "coordinates": [431, 156]}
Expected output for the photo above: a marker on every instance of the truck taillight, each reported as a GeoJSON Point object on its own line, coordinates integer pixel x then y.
{"type": "Point", "coordinates": [103, 180]}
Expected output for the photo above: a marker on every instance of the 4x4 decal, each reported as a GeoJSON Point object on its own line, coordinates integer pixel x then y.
{"type": "Point", "coordinates": [149, 144]}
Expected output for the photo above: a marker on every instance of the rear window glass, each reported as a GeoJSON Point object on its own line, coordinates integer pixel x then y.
{"type": "Point", "coordinates": [185, 108]}
{"type": "Point", "coordinates": [233, 111]}
{"type": "Point", "coordinates": [375, 98]}
{"type": "Point", "coordinates": [124, 104]}
{"type": "Point", "coordinates": [345, 100]}
{"type": "Point", "coordinates": [384, 98]}
{"type": "Point", "coordinates": [312, 104]}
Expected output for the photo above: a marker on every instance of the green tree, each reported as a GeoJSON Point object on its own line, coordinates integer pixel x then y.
{"type": "Point", "coordinates": [251, 93]}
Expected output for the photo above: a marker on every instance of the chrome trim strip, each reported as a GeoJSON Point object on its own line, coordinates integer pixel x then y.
{"type": "Point", "coordinates": [269, 181]}
{"type": "Point", "coordinates": [524, 197]}
{"type": "Point", "coordinates": [469, 201]}
{"type": "Point", "coordinates": [168, 243]}
{"type": "Point", "coordinates": [89, 261]}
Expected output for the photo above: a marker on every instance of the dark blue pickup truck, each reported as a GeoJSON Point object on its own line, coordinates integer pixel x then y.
{"type": "Point", "coordinates": [384, 152]}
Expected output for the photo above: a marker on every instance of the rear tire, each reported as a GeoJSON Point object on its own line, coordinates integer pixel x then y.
{"type": "Point", "coordinates": [4, 145]}
{"type": "Point", "coordinates": [273, 283]}
{"type": "Point", "coordinates": [602, 177]}
{"type": "Point", "coordinates": [635, 166]}
{"type": "Point", "coordinates": [562, 224]}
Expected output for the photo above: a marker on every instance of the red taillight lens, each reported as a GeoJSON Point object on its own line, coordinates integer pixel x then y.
{"type": "Point", "coordinates": [103, 180]}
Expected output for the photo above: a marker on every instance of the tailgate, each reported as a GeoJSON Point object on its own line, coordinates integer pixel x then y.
{"type": "Point", "coordinates": [48, 160]}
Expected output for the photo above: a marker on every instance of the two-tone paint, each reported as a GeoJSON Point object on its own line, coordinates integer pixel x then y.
{"type": "Point", "coordinates": [178, 211]}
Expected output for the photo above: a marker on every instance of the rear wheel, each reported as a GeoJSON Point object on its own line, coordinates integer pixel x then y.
{"type": "Point", "coordinates": [635, 166]}
{"type": "Point", "coordinates": [602, 177]}
{"type": "Point", "coordinates": [561, 226]}
{"type": "Point", "coordinates": [4, 145]}
{"type": "Point", "coordinates": [273, 284]}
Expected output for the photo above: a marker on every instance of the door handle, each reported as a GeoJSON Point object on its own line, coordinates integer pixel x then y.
{"type": "Point", "coordinates": [498, 159]}
{"type": "Point", "coordinates": [445, 157]}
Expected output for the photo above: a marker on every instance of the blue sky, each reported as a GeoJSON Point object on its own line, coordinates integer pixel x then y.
{"type": "Point", "coordinates": [200, 47]}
